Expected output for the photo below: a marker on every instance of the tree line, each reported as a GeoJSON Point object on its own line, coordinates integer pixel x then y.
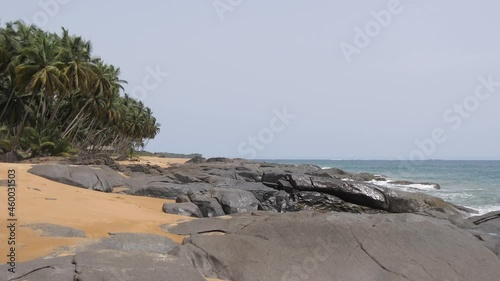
{"type": "Point", "coordinates": [56, 97]}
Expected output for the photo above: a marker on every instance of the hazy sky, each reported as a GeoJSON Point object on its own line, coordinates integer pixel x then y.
{"type": "Point", "coordinates": [358, 79]}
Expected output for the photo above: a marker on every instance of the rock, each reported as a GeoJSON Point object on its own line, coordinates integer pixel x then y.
{"type": "Point", "coordinates": [165, 190]}
{"type": "Point", "coordinates": [263, 180]}
{"type": "Point", "coordinates": [54, 230]}
{"type": "Point", "coordinates": [132, 242]}
{"type": "Point", "coordinates": [487, 230]}
{"type": "Point", "coordinates": [11, 157]}
{"type": "Point", "coordinates": [92, 159]}
{"type": "Point", "coordinates": [106, 265]}
{"type": "Point", "coordinates": [93, 178]}
{"type": "Point", "coordinates": [360, 193]}
{"type": "Point", "coordinates": [196, 160]}
{"type": "Point", "coordinates": [235, 201]}
{"type": "Point", "coordinates": [224, 201]}
{"type": "Point", "coordinates": [276, 201]}
{"type": "Point", "coordinates": [410, 202]}
{"type": "Point", "coordinates": [207, 203]}
{"type": "Point", "coordinates": [182, 199]}
{"type": "Point", "coordinates": [307, 200]}
{"type": "Point", "coordinates": [183, 209]}
{"type": "Point", "coordinates": [311, 246]}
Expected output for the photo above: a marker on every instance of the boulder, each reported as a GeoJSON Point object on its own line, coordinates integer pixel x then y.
{"type": "Point", "coordinates": [11, 157]}
{"type": "Point", "coordinates": [224, 201]}
{"type": "Point", "coordinates": [487, 230]}
{"type": "Point", "coordinates": [341, 246]}
{"type": "Point", "coordinates": [93, 178]}
{"type": "Point", "coordinates": [207, 203]}
{"type": "Point", "coordinates": [183, 209]}
{"type": "Point", "coordinates": [235, 201]}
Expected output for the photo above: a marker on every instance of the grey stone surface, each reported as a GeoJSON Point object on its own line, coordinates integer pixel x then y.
{"type": "Point", "coordinates": [340, 246]}
{"type": "Point", "coordinates": [133, 242]}
{"type": "Point", "coordinates": [94, 178]}
{"type": "Point", "coordinates": [183, 209]}
{"type": "Point", "coordinates": [487, 230]}
{"type": "Point", "coordinates": [54, 230]}
{"type": "Point", "coordinates": [105, 265]}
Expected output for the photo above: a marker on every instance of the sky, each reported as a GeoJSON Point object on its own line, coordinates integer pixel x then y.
{"type": "Point", "coordinates": [290, 79]}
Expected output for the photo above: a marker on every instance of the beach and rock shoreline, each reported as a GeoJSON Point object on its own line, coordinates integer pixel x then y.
{"type": "Point", "coordinates": [258, 221]}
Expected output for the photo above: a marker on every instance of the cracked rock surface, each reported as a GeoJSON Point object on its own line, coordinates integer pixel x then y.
{"type": "Point", "coordinates": [106, 265]}
{"type": "Point", "coordinates": [120, 257]}
{"type": "Point", "coordinates": [264, 246]}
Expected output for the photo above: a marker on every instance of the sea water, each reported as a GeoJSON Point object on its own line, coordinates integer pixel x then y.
{"type": "Point", "coordinates": [474, 184]}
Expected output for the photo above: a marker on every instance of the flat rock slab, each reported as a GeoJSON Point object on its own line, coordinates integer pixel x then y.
{"type": "Point", "coordinates": [54, 230]}
{"type": "Point", "coordinates": [105, 265]}
{"type": "Point", "coordinates": [340, 246]}
{"type": "Point", "coordinates": [94, 178]}
{"type": "Point", "coordinates": [134, 242]}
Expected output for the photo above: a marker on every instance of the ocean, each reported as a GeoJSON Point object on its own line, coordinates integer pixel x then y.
{"type": "Point", "coordinates": [473, 184]}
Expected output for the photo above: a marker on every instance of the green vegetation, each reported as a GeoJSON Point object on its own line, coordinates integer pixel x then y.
{"type": "Point", "coordinates": [167, 154]}
{"type": "Point", "coordinates": [56, 98]}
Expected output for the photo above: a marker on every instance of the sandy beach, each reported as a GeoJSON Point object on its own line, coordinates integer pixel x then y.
{"type": "Point", "coordinates": [41, 200]}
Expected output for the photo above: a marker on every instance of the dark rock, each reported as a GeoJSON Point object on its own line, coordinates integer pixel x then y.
{"type": "Point", "coordinates": [166, 190]}
{"type": "Point", "coordinates": [235, 201]}
{"type": "Point", "coordinates": [208, 204]}
{"type": "Point", "coordinates": [93, 178]}
{"type": "Point", "coordinates": [54, 230]}
{"type": "Point", "coordinates": [11, 157]}
{"type": "Point", "coordinates": [410, 202]}
{"type": "Point", "coordinates": [183, 209]}
{"type": "Point", "coordinates": [224, 201]}
{"type": "Point", "coordinates": [196, 160]}
{"type": "Point", "coordinates": [360, 193]}
{"type": "Point", "coordinates": [219, 159]}
{"type": "Point", "coordinates": [487, 230]}
{"type": "Point", "coordinates": [276, 201]}
{"type": "Point", "coordinates": [92, 159]}
{"type": "Point", "coordinates": [307, 200]}
{"type": "Point", "coordinates": [182, 199]}
{"type": "Point", "coordinates": [341, 246]}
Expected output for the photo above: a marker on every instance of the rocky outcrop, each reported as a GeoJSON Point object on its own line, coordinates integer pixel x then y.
{"type": "Point", "coordinates": [340, 246]}
{"type": "Point", "coordinates": [282, 188]}
{"type": "Point", "coordinates": [94, 178]}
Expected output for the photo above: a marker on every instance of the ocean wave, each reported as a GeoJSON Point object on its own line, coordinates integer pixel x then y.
{"type": "Point", "coordinates": [405, 187]}
{"type": "Point", "coordinates": [485, 209]}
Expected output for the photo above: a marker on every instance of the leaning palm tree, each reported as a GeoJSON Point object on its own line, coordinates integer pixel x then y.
{"type": "Point", "coordinates": [39, 74]}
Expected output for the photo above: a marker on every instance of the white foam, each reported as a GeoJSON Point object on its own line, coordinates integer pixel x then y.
{"type": "Point", "coordinates": [485, 209]}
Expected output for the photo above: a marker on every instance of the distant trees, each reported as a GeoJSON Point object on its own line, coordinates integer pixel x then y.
{"type": "Point", "coordinates": [55, 96]}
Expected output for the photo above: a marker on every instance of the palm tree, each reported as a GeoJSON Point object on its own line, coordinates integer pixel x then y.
{"type": "Point", "coordinates": [39, 74]}
{"type": "Point", "coordinates": [54, 95]}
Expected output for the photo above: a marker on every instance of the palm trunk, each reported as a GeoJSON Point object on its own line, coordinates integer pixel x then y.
{"type": "Point", "coordinates": [7, 105]}
{"type": "Point", "coordinates": [21, 126]}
